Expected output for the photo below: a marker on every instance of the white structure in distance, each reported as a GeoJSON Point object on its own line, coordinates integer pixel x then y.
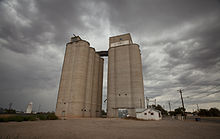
{"type": "Point", "coordinates": [148, 114]}
{"type": "Point", "coordinates": [29, 107]}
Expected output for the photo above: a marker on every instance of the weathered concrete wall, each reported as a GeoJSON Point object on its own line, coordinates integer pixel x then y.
{"type": "Point", "coordinates": [89, 84]}
{"type": "Point", "coordinates": [95, 86]}
{"type": "Point", "coordinates": [137, 85]}
{"type": "Point", "coordinates": [111, 84]}
{"type": "Point", "coordinates": [125, 80]}
{"type": "Point", "coordinates": [80, 83]}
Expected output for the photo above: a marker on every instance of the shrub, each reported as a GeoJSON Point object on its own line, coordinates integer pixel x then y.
{"type": "Point", "coordinates": [5, 119]}
{"type": "Point", "coordinates": [42, 116]}
{"type": "Point", "coordinates": [20, 118]}
{"type": "Point", "coordinates": [52, 116]}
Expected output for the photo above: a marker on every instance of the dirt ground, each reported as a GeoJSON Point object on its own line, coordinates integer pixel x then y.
{"type": "Point", "coordinates": [105, 128]}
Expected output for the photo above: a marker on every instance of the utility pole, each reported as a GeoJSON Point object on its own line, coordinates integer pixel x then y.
{"type": "Point", "coordinates": [169, 106]}
{"type": "Point", "coordinates": [182, 101]}
{"type": "Point", "coordinates": [155, 102]}
{"type": "Point", "coordinates": [147, 102]}
{"type": "Point", "coordinates": [181, 98]}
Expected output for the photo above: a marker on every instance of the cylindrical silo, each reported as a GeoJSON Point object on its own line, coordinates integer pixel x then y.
{"type": "Point", "coordinates": [111, 86]}
{"type": "Point", "coordinates": [65, 83]}
{"type": "Point", "coordinates": [89, 83]}
{"type": "Point", "coordinates": [71, 95]}
{"type": "Point", "coordinates": [79, 76]}
{"type": "Point", "coordinates": [95, 85]}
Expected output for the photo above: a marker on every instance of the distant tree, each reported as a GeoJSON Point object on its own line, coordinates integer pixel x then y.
{"type": "Point", "coordinates": [214, 112]}
{"type": "Point", "coordinates": [160, 108]}
{"type": "Point", "coordinates": [203, 112]}
{"type": "Point", "coordinates": [172, 113]}
{"type": "Point", "coordinates": [180, 110]}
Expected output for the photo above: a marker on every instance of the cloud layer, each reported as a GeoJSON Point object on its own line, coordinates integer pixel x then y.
{"type": "Point", "coordinates": [179, 42]}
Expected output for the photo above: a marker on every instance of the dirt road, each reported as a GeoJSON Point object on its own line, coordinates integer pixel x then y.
{"type": "Point", "coordinates": [103, 128]}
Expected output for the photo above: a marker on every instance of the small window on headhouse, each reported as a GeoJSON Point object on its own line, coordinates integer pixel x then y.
{"type": "Point", "coordinates": [152, 113]}
{"type": "Point", "coordinates": [145, 113]}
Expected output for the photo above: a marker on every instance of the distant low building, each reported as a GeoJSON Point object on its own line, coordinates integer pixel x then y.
{"type": "Point", "coordinates": [148, 114]}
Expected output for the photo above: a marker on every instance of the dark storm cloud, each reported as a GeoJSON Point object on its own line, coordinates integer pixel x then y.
{"type": "Point", "coordinates": [33, 35]}
{"type": "Point", "coordinates": [152, 17]}
{"type": "Point", "coordinates": [179, 42]}
{"type": "Point", "coordinates": [28, 24]}
{"type": "Point", "coordinates": [201, 47]}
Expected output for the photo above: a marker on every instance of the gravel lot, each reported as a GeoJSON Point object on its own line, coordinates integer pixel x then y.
{"type": "Point", "coordinates": [105, 128]}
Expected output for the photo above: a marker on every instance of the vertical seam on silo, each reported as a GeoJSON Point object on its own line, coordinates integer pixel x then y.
{"type": "Point", "coordinates": [131, 93]}
{"type": "Point", "coordinates": [99, 87]}
{"type": "Point", "coordinates": [97, 93]}
{"type": "Point", "coordinates": [83, 113]}
{"type": "Point", "coordinates": [94, 91]}
{"type": "Point", "coordinates": [115, 80]}
{"type": "Point", "coordinates": [72, 67]}
{"type": "Point", "coordinates": [108, 82]}
{"type": "Point", "coordinates": [93, 72]}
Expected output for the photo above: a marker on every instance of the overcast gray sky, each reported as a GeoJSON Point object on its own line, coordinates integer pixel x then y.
{"type": "Point", "coordinates": [179, 42]}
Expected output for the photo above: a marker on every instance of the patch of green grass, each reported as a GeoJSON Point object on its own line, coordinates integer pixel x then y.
{"type": "Point", "coordinates": [20, 118]}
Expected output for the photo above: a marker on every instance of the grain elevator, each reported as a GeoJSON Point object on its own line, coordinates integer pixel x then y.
{"type": "Point", "coordinates": [125, 80]}
{"type": "Point", "coordinates": [80, 89]}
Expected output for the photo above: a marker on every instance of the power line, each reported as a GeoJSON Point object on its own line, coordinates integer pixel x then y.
{"type": "Point", "coordinates": [218, 91]}
{"type": "Point", "coordinates": [202, 91]}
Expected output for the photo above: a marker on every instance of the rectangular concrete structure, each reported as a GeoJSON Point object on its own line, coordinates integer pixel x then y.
{"type": "Point", "coordinates": [125, 79]}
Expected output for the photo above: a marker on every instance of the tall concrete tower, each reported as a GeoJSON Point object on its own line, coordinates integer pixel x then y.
{"type": "Point", "coordinates": [29, 108]}
{"type": "Point", "coordinates": [125, 79]}
{"type": "Point", "coordinates": [80, 89]}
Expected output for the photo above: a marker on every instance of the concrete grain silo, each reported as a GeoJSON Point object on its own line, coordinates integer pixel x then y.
{"type": "Point", "coordinates": [95, 86]}
{"type": "Point", "coordinates": [79, 83]}
{"type": "Point", "coordinates": [125, 80]}
{"type": "Point", "coordinates": [89, 83]}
